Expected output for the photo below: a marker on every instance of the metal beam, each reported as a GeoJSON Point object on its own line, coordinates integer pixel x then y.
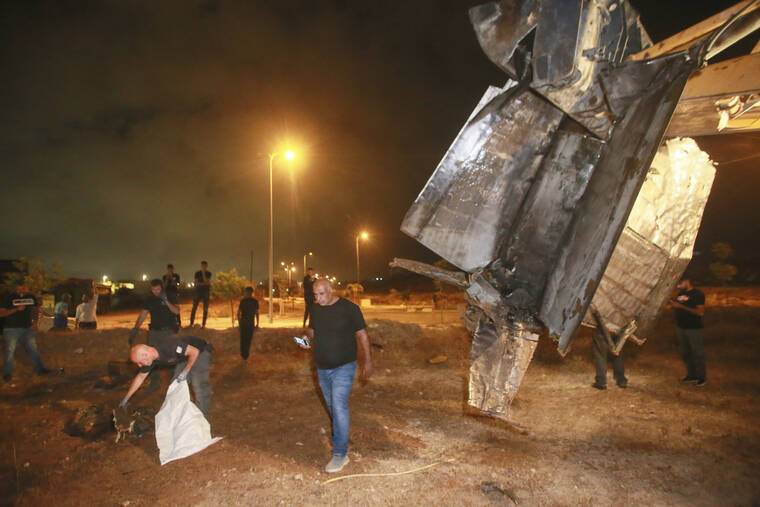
{"type": "Point", "coordinates": [704, 99]}
{"type": "Point", "coordinates": [687, 37]}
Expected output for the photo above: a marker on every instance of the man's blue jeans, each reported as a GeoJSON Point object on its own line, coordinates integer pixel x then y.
{"type": "Point", "coordinates": [336, 387]}
{"type": "Point", "coordinates": [24, 335]}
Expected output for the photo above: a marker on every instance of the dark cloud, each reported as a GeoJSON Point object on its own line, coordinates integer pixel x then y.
{"type": "Point", "coordinates": [138, 133]}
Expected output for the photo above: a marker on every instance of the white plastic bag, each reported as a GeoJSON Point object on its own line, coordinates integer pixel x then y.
{"type": "Point", "coordinates": [181, 429]}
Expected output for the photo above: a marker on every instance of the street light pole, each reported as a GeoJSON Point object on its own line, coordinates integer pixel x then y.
{"type": "Point", "coordinates": [304, 262]}
{"type": "Point", "coordinates": [363, 235]}
{"type": "Point", "coordinates": [290, 156]}
{"type": "Point", "coordinates": [271, 237]}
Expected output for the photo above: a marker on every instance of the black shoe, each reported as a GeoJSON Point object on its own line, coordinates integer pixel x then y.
{"type": "Point", "coordinates": [622, 384]}
{"type": "Point", "coordinates": [7, 377]}
{"type": "Point", "coordinates": [701, 382]}
{"type": "Point", "coordinates": [44, 371]}
{"type": "Point", "coordinates": [688, 379]}
{"type": "Point", "coordinates": [597, 385]}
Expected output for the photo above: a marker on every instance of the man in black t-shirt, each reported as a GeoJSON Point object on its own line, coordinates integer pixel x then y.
{"type": "Point", "coordinates": [689, 307]}
{"type": "Point", "coordinates": [202, 292]}
{"type": "Point", "coordinates": [20, 313]}
{"type": "Point", "coordinates": [191, 358]}
{"type": "Point", "coordinates": [171, 283]}
{"type": "Point", "coordinates": [248, 320]}
{"type": "Point", "coordinates": [335, 327]}
{"type": "Point", "coordinates": [163, 320]}
{"type": "Point", "coordinates": [308, 294]}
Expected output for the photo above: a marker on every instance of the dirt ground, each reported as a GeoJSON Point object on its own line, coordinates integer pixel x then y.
{"type": "Point", "coordinates": [659, 442]}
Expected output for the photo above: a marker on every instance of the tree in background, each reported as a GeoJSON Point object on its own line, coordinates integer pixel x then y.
{"type": "Point", "coordinates": [34, 274]}
{"type": "Point", "coordinates": [228, 286]}
{"type": "Point", "coordinates": [721, 270]}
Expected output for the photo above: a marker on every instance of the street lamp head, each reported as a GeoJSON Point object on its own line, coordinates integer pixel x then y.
{"type": "Point", "coordinates": [290, 155]}
{"type": "Point", "coordinates": [364, 235]}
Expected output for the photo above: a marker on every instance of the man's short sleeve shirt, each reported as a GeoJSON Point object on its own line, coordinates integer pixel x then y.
{"type": "Point", "coordinates": [172, 351]}
{"type": "Point", "coordinates": [22, 319]}
{"type": "Point", "coordinates": [335, 328]}
{"type": "Point", "coordinates": [202, 289]}
{"type": "Point", "coordinates": [248, 309]}
{"type": "Point", "coordinates": [160, 315]}
{"type": "Point", "coordinates": [691, 298]}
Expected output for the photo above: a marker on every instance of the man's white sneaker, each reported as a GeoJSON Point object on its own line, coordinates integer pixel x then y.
{"type": "Point", "coordinates": [336, 464]}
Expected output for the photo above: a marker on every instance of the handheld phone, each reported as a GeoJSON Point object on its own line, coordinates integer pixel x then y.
{"type": "Point", "coordinates": [301, 341]}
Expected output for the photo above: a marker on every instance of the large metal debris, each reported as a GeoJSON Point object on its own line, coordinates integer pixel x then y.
{"type": "Point", "coordinates": [533, 200]}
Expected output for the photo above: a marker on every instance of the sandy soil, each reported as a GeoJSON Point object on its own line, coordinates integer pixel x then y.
{"type": "Point", "coordinates": [658, 442]}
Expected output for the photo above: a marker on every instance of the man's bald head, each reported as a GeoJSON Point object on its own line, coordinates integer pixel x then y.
{"type": "Point", "coordinates": [142, 355]}
{"type": "Point", "coordinates": [323, 292]}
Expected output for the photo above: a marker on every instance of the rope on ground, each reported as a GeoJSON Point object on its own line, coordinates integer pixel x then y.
{"type": "Point", "coordinates": [388, 474]}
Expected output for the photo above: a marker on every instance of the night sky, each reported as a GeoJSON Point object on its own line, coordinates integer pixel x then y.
{"type": "Point", "coordinates": [137, 133]}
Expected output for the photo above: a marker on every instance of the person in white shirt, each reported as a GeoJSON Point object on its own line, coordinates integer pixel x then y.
{"type": "Point", "coordinates": [85, 316]}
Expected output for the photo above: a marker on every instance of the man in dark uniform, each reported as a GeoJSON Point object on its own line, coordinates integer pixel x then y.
{"type": "Point", "coordinates": [689, 308]}
{"type": "Point", "coordinates": [20, 312]}
{"type": "Point", "coordinates": [163, 320]}
{"type": "Point", "coordinates": [191, 357]}
{"type": "Point", "coordinates": [171, 287]}
{"type": "Point", "coordinates": [248, 320]}
{"type": "Point", "coordinates": [202, 292]}
{"type": "Point", "coordinates": [308, 294]}
{"type": "Point", "coordinates": [335, 327]}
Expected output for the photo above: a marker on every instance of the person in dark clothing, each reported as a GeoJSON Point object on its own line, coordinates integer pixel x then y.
{"type": "Point", "coordinates": [308, 294]}
{"type": "Point", "coordinates": [248, 320]}
{"type": "Point", "coordinates": [689, 307]}
{"type": "Point", "coordinates": [202, 292]}
{"type": "Point", "coordinates": [191, 358]}
{"type": "Point", "coordinates": [335, 327]}
{"type": "Point", "coordinates": [602, 354]}
{"type": "Point", "coordinates": [20, 325]}
{"type": "Point", "coordinates": [163, 320]}
{"type": "Point", "coordinates": [171, 288]}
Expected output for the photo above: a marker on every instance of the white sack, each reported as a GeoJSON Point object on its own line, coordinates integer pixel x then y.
{"type": "Point", "coordinates": [181, 429]}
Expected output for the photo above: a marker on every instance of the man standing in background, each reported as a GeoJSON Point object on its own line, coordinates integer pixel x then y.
{"type": "Point", "coordinates": [171, 287]}
{"type": "Point", "coordinates": [308, 294]}
{"type": "Point", "coordinates": [248, 320]}
{"type": "Point", "coordinates": [86, 311]}
{"type": "Point", "coordinates": [202, 292]}
{"type": "Point", "coordinates": [689, 308]}
{"type": "Point", "coordinates": [21, 313]}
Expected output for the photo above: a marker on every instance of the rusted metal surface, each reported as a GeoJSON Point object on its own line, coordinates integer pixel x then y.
{"type": "Point", "coordinates": [720, 98]}
{"type": "Point", "coordinates": [533, 200]}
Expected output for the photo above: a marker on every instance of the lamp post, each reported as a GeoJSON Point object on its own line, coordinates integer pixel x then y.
{"type": "Point", "coordinates": [290, 156]}
{"type": "Point", "coordinates": [363, 235]}
{"type": "Point", "coordinates": [304, 262]}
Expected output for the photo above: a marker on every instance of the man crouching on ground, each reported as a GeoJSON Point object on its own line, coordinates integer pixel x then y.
{"type": "Point", "coordinates": [192, 357]}
{"type": "Point", "coordinates": [335, 326]}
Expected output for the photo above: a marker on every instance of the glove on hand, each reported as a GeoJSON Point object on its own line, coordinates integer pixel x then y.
{"type": "Point", "coordinates": [132, 335]}
{"type": "Point", "coordinates": [123, 402]}
{"type": "Point", "coordinates": [182, 376]}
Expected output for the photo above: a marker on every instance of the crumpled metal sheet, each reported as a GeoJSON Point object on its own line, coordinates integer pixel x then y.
{"type": "Point", "coordinates": [658, 239]}
{"type": "Point", "coordinates": [499, 357]}
{"type": "Point", "coordinates": [476, 190]}
{"type": "Point", "coordinates": [573, 43]}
